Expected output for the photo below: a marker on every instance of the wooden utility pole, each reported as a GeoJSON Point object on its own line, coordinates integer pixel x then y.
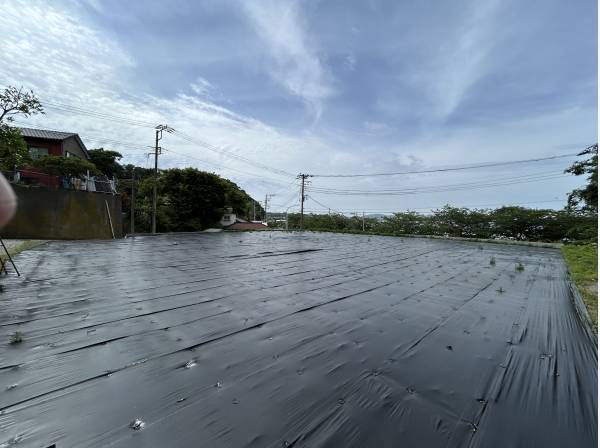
{"type": "Point", "coordinates": [266, 204]}
{"type": "Point", "coordinates": [267, 197]}
{"type": "Point", "coordinates": [159, 130]}
{"type": "Point", "coordinates": [154, 184]}
{"type": "Point", "coordinates": [132, 219]}
{"type": "Point", "coordinates": [303, 178]}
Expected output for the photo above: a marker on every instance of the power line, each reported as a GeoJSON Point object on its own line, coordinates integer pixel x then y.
{"type": "Point", "coordinates": [223, 152]}
{"type": "Point", "coordinates": [437, 189]}
{"type": "Point", "coordinates": [455, 168]}
{"type": "Point", "coordinates": [86, 136]}
{"type": "Point", "coordinates": [504, 204]}
{"type": "Point", "coordinates": [288, 201]}
{"type": "Point", "coordinates": [133, 146]}
{"type": "Point", "coordinates": [473, 182]}
{"type": "Point", "coordinates": [126, 120]}
{"type": "Point", "coordinates": [97, 114]}
{"type": "Point", "coordinates": [323, 205]}
{"type": "Point", "coordinates": [260, 177]}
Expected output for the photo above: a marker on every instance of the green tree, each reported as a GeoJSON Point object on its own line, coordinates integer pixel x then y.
{"type": "Point", "coordinates": [128, 171]}
{"type": "Point", "coordinates": [64, 166]}
{"type": "Point", "coordinates": [15, 102]}
{"type": "Point", "coordinates": [588, 195]}
{"type": "Point", "coordinates": [106, 161]}
{"type": "Point", "coordinates": [13, 149]}
{"type": "Point", "coordinates": [195, 199]}
{"type": "Point", "coordinates": [505, 222]}
{"type": "Point", "coordinates": [188, 199]}
{"type": "Point", "coordinates": [405, 222]}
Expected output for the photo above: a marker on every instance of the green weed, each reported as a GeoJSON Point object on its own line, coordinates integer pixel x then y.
{"type": "Point", "coordinates": [16, 338]}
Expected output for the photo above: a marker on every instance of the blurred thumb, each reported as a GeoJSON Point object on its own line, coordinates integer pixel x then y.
{"type": "Point", "coordinates": [8, 201]}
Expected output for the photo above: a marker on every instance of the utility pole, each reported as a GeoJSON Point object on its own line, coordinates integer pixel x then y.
{"type": "Point", "coordinates": [253, 210]}
{"type": "Point", "coordinates": [132, 206]}
{"type": "Point", "coordinates": [303, 178]}
{"type": "Point", "coordinates": [159, 130]}
{"type": "Point", "coordinates": [267, 197]}
{"type": "Point", "coordinates": [363, 221]}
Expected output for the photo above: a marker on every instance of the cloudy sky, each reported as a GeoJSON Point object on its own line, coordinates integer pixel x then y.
{"type": "Point", "coordinates": [259, 91]}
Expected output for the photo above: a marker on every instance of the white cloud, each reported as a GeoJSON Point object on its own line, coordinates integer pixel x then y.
{"type": "Point", "coordinates": [202, 87]}
{"type": "Point", "coordinates": [67, 61]}
{"type": "Point", "coordinates": [96, 5]}
{"type": "Point", "coordinates": [70, 61]}
{"type": "Point", "coordinates": [294, 61]}
{"type": "Point", "coordinates": [47, 45]}
{"type": "Point", "coordinates": [350, 62]}
{"type": "Point", "coordinates": [376, 126]}
{"type": "Point", "coordinates": [460, 61]}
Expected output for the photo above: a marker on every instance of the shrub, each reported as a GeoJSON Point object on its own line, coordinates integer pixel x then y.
{"type": "Point", "coordinates": [64, 166]}
{"type": "Point", "coordinates": [16, 337]}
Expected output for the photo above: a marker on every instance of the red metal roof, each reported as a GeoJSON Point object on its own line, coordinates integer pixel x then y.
{"type": "Point", "coordinates": [247, 226]}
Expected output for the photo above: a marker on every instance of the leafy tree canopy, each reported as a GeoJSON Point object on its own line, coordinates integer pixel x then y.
{"type": "Point", "coordinates": [15, 101]}
{"type": "Point", "coordinates": [64, 166]}
{"type": "Point", "coordinates": [586, 198]}
{"type": "Point", "coordinates": [106, 161]}
{"type": "Point", "coordinates": [188, 199]}
{"type": "Point", "coordinates": [511, 222]}
{"type": "Point", "coordinates": [13, 149]}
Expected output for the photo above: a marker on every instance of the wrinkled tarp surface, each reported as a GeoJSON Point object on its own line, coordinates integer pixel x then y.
{"type": "Point", "coordinates": [303, 340]}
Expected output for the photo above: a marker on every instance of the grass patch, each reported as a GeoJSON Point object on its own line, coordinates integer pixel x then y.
{"type": "Point", "coordinates": [519, 267]}
{"type": "Point", "coordinates": [582, 261]}
{"type": "Point", "coordinates": [23, 246]}
{"type": "Point", "coordinates": [16, 338]}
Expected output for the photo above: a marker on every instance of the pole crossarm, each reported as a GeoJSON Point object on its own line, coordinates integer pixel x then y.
{"type": "Point", "coordinates": [157, 150]}
{"type": "Point", "coordinates": [303, 178]}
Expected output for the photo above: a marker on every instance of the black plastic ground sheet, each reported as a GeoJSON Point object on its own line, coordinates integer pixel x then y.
{"type": "Point", "coordinates": [294, 340]}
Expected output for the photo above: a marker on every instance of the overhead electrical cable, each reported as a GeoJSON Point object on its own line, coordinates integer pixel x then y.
{"type": "Point", "coordinates": [452, 168]}
{"type": "Point", "coordinates": [221, 166]}
{"type": "Point", "coordinates": [436, 189]}
{"type": "Point", "coordinates": [86, 136]}
{"type": "Point", "coordinates": [147, 124]}
{"type": "Point", "coordinates": [223, 152]}
{"type": "Point", "coordinates": [388, 211]}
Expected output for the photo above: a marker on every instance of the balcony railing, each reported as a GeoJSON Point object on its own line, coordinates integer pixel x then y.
{"type": "Point", "coordinates": [96, 184]}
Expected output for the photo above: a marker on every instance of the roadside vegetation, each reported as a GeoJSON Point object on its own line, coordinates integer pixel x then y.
{"type": "Point", "coordinates": [20, 247]}
{"type": "Point", "coordinates": [508, 223]}
{"type": "Point", "coordinates": [582, 261]}
{"type": "Point", "coordinates": [578, 221]}
{"type": "Point", "coordinates": [15, 338]}
{"type": "Point", "coordinates": [188, 200]}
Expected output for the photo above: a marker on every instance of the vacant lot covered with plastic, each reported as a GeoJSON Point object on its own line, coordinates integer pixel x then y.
{"type": "Point", "coordinates": [304, 340]}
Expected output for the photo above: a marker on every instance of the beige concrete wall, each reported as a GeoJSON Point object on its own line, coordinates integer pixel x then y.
{"type": "Point", "coordinates": [63, 214]}
{"type": "Point", "coordinates": [70, 144]}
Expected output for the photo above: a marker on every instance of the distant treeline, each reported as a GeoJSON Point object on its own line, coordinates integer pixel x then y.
{"type": "Point", "coordinates": [517, 223]}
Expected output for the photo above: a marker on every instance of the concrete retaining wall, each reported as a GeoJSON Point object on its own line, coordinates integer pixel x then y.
{"type": "Point", "coordinates": [63, 214]}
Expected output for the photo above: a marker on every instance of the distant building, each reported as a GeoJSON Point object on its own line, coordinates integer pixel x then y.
{"type": "Point", "coordinates": [230, 221]}
{"type": "Point", "coordinates": [228, 218]}
{"type": "Point", "coordinates": [53, 143]}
